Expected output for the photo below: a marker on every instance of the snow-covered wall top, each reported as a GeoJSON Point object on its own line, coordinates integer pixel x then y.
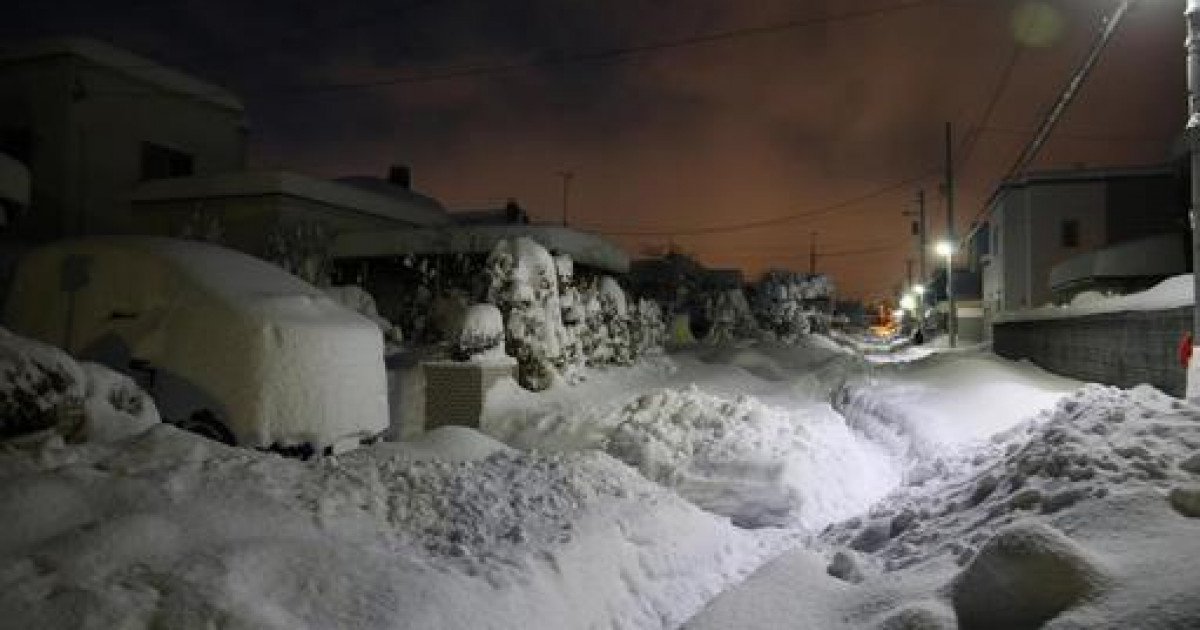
{"type": "Point", "coordinates": [281, 361]}
{"type": "Point", "coordinates": [1159, 255]}
{"type": "Point", "coordinates": [1171, 293]}
{"type": "Point", "coordinates": [123, 62]}
{"type": "Point", "coordinates": [585, 248]}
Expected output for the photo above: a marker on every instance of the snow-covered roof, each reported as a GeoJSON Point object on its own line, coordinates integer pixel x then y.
{"type": "Point", "coordinates": [1085, 175]}
{"type": "Point", "coordinates": [409, 211]}
{"type": "Point", "coordinates": [433, 209]}
{"type": "Point", "coordinates": [584, 247]}
{"type": "Point", "coordinates": [14, 181]}
{"type": "Point", "coordinates": [109, 57]}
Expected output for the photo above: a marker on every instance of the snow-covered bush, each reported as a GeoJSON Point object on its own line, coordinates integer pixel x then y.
{"type": "Point", "coordinates": [42, 387]}
{"type": "Point", "coordinates": [573, 358]}
{"type": "Point", "coordinates": [360, 301]}
{"type": "Point", "coordinates": [555, 324]}
{"type": "Point", "coordinates": [524, 285]}
{"type": "Point", "coordinates": [785, 304]}
{"type": "Point", "coordinates": [303, 250]}
{"type": "Point", "coordinates": [482, 334]}
{"type": "Point", "coordinates": [614, 311]}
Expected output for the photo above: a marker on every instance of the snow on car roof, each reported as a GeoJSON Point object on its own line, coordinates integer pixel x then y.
{"type": "Point", "coordinates": [241, 280]}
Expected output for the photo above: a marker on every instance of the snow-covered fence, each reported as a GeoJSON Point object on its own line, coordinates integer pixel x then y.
{"type": "Point", "coordinates": [1122, 349]}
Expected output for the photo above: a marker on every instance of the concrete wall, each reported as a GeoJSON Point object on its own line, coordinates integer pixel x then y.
{"type": "Point", "coordinates": [1121, 349]}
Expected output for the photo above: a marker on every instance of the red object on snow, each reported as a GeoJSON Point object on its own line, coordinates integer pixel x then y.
{"type": "Point", "coordinates": [1185, 349]}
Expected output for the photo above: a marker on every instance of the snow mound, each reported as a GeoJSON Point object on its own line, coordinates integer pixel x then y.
{"type": "Point", "coordinates": [1024, 576]}
{"type": "Point", "coordinates": [167, 529]}
{"type": "Point", "coordinates": [756, 464]}
{"type": "Point", "coordinates": [41, 385]}
{"type": "Point", "coordinates": [1098, 442]}
{"type": "Point", "coordinates": [448, 443]}
{"type": "Point", "coordinates": [924, 409]}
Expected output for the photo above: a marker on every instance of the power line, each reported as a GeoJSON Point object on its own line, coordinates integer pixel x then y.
{"type": "Point", "coordinates": [972, 139]}
{"type": "Point", "coordinates": [583, 57]}
{"type": "Point", "coordinates": [1074, 136]}
{"type": "Point", "coordinates": [806, 214]}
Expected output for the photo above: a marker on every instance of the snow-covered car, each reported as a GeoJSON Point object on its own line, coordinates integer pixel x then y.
{"type": "Point", "coordinates": [228, 345]}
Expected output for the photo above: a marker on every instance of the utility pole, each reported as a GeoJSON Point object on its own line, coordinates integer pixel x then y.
{"type": "Point", "coordinates": [952, 316]}
{"type": "Point", "coordinates": [1192, 43]}
{"type": "Point", "coordinates": [566, 192]}
{"type": "Point", "coordinates": [812, 254]}
{"type": "Point", "coordinates": [921, 232]}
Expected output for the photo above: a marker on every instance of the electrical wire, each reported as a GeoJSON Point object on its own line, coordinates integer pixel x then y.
{"type": "Point", "coordinates": [580, 57]}
{"type": "Point", "coordinates": [750, 225]}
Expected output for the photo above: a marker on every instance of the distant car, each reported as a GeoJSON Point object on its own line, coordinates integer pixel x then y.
{"type": "Point", "coordinates": [228, 345]}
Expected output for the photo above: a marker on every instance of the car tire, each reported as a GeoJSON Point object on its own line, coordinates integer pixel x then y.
{"type": "Point", "coordinates": [205, 424]}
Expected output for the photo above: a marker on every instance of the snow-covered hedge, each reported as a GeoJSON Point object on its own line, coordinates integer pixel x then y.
{"type": "Point", "coordinates": [784, 304]}
{"type": "Point", "coordinates": [554, 326]}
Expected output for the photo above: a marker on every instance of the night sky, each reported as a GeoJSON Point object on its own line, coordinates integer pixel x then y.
{"type": "Point", "coordinates": [711, 122]}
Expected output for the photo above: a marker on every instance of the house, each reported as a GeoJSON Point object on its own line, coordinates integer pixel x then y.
{"type": "Point", "coordinates": [91, 121]}
{"type": "Point", "coordinates": [1038, 225]}
{"type": "Point", "coordinates": [286, 217]}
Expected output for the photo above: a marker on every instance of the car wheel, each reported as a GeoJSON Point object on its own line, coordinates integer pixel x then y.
{"type": "Point", "coordinates": [204, 423]}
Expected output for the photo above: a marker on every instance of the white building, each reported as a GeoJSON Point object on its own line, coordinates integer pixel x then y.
{"type": "Point", "coordinates": [1041, 220]}
{"type": "Point", "coordinates": [91, 121]}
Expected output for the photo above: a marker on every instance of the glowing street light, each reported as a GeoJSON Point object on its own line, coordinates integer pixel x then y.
{"type": "Point", "coordinates": [908, 302]}
{"type": "Point", "coordinates": [946, 250]}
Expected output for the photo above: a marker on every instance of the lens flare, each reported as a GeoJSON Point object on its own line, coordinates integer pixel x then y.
{"type": "Point", "coordinates": [1037, 24]}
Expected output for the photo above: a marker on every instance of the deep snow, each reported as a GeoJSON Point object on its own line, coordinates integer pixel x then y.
{"type": "Point", "coordinates": [953, 490]}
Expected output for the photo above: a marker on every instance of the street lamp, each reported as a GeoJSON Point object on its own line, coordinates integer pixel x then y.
{"type": "Point", "coordinates": [946, 250]}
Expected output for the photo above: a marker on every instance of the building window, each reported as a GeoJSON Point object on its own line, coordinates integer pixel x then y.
{"type": "Point", "coordinates": [17, 142]}
{"type": "Point", "coordinates": [159, 162]}
{"type": "Point", "coordinates": [1070, 233]}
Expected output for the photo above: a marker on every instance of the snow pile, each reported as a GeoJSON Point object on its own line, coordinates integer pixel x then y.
{"type": "Point", "coordinates": [1098, 441]}
{"type": "Point", "coordinates": [919, 410]}
{"type": "Point", "coordinates": [756, 464]}
{"type": "Point", "coordinates": [1171, 293]}
{"type": "Point", "coordinates": [358, 300]}
{"type": "Point", "coordinates": [171, 530]}
{"type": "Point", "coordinates": [40, 386]}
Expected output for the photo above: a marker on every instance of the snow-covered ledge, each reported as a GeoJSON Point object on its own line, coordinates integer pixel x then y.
{"type": "Point", "coordinates": [1171, 293]}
